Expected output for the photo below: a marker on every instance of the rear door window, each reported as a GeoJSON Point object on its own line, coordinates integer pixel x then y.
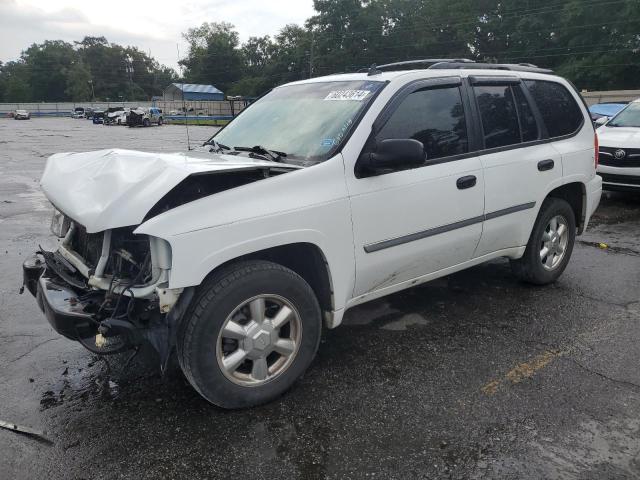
{"type": "Point", "coordinates": [558, 108]}
{"type": "Point", "coordinates": [499, 115]}
{"type": "Point", "coordinates": [433, 116]}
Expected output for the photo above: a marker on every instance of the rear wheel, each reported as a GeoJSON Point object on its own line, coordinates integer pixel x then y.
{"type": "Point", "coordinates": [252, 330]}
{"type": "Point", "coordinates": [550, 245]}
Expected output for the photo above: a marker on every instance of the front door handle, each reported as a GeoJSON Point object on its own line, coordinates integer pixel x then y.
{"type": "Point", "coordinates": [466, 182]}
{"type": "Point", "coordinates": [545, 165]}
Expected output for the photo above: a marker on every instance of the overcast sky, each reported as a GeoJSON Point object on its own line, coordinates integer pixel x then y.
{"type": "Point", "coordinates": [151, 25]}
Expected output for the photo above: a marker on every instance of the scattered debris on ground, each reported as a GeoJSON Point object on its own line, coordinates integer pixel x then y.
{"type": "Point", "coordinates": [14, 427]}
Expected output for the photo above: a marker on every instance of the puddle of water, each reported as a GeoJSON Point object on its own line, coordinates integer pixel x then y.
{"type": "Point", "coordinates": [592, 445]}
{"type": "Point", "coordinates": [79, 384]}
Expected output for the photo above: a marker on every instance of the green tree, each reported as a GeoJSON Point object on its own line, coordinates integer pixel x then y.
{"type": "Point", "coordinates": [48, 65]}
{"type": "Point", "coordinates": [122, 73]}
{"type": "Point", "coordinates": [601, 45]}
{"type": "Point", "coordinates": [15, 81]}
{"type": "Point", "coordinates": [596, 44]}
{"type": "Point", "coordinates": [290, 61]}
{"type": "Point", "coordinates": [78, 82]}
{"type": "Point", "coordinates": [2, 83]}
{"type": "Point", "coordinates": [214, 55]}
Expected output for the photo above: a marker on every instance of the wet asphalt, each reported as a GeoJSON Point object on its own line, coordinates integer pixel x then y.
{"type": "Point", "coordinates": [473, 376]}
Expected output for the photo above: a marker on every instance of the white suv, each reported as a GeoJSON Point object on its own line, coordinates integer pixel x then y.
{"type": "Point", "coordinates": [324, 194]}
{"type": "Point", "coordinates": [620, 150]}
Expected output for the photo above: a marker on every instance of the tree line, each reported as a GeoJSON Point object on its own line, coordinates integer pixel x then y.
{"type": "Point", "coordinates": [93, 68]}
{"type": "Point", "coordinates": [596, 44]}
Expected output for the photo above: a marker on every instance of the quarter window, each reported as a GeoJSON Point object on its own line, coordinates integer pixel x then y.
{"type": "Point", "coordinates": [558, 108]}
{"type": "Point", "coordinates": [499, 117]}
{"type": "Point", "coordinates": [432, 116]}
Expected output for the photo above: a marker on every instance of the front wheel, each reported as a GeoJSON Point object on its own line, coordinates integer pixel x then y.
{"type": "Point", "coordinates": [251, 331]}
{"type": "Point", "coordinates": [146, 122]}
{"type": "Point", "coordinates": [550, 245]}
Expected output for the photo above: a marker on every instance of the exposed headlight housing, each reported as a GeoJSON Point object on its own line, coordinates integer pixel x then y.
{"type": "Point", "coordinates": [59, 224]}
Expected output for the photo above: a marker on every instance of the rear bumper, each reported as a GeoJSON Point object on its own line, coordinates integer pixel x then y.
{"type": "Point", "coordinates": [60, 305]}
{"type": "Point", "coordinates": [594, 193]}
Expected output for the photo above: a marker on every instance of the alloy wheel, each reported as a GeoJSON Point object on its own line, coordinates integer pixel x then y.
{"type": "Point", "coordinates": [553, 245]}
{"type": "Point", "coordinates": [259, 340]}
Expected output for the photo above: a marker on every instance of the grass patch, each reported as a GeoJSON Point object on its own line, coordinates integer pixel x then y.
{"type": "Point", "coordinates": [214, 123]}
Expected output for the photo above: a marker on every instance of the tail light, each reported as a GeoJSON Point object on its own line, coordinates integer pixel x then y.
{"type": "Point", "coordinates": [596, 147]}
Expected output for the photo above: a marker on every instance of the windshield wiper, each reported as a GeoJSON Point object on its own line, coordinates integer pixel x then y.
{"type": "Point", "coordinates": [260, 150]}
{"type": "Point", "coordinates": [217, 147]}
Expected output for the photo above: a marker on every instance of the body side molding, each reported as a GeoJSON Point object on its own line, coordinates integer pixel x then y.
{"type": "Point", "coordinates": [412, 237]}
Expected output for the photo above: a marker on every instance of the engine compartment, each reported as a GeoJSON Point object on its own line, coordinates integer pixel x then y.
{"type": "Point", "coordinates": [203, 185]}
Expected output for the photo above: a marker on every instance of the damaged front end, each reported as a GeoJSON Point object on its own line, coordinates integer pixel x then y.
{"type": "Point", "coordinates": [105, 285]}
{"type": "Point", "coordinates": [108, 290]}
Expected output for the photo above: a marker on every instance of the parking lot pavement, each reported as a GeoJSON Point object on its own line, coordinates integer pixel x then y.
{"type": "Point", "coordinates": [471, 376]}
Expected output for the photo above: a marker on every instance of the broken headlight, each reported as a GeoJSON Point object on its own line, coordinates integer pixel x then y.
{"type": "Point", "coordinates": [59, 224]}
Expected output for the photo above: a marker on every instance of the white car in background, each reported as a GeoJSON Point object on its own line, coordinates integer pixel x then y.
{"type": "Point", "coordinates": [21, 115]}
{"type": "Point", "coordinates": [620, 150]}
{"type": "Point", "coordinates": [78, 112]}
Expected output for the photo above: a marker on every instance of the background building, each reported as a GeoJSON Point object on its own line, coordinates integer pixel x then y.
{"type": "Point", "coordinates": [191, 91]}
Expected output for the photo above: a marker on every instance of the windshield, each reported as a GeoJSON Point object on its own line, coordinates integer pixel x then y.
{"type": "Point", "coordinates": [306, 122]}
{"type": "Point", "coordinates": [629, 117]}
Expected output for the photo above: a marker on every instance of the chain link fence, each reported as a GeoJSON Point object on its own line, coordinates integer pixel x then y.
{"type": "Point", "coordinates": [221, 109]}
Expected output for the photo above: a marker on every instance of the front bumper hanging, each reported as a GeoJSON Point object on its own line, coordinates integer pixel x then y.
{"type": "Point", "coordinates": [66, 313]}
{"type": "Point", "coordinates": [74, 312]}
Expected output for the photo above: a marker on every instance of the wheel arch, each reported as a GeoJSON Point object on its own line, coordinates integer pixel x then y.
{"type": "Point", "coordinates": [575, 194]}
{"type": "Point", "coordinates": [304, 258]}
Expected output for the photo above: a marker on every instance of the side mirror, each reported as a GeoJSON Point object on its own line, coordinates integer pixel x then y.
{"type": "Point", "coordinates": [601, 121]}
{"type": "Point", "coordinates": [394, 154]}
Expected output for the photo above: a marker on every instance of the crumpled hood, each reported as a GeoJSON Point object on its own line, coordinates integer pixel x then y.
{"type": "Point", "coordinates": [621, 137]}
{"type": "Point", "coordinates": [116, 188]}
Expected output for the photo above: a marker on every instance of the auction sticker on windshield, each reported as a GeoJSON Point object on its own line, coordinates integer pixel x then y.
{"type": "Point", "coordinates": [342, 95]}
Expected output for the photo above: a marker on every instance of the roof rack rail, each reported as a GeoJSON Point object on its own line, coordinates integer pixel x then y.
{"type": "Point", "coordinates": [516, 67]}
{"type": "Point", "coordinates": [430, 61]}
{"type": "Point", "coordinates": [453, 63]}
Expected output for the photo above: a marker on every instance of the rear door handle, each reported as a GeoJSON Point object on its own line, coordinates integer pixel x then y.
{"type": "Point", "coordinates": [545, 165]}
{"type": "Point", "coordinates": [466, 182]}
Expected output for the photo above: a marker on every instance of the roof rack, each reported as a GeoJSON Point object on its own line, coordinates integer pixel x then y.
{"type": "Point", "coordinates": [431, 61]}
{"type": "Point", "coordinates": [516, 67]}
{"type": "Point", "coordinates": [454, 63]}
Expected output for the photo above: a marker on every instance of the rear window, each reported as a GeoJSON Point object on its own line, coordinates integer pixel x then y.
{"type": "Point", "coordinates": [559, 109]}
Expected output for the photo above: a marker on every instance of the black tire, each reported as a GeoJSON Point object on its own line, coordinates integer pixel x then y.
{"type": "Point", "coordinates": [160, 121]}
{"type": "Point", "coordinates": [215, 300]}
{"type": "Point", "coordinates": [530, 267]}
{"type": "Point", "coordinates": [146, 122]}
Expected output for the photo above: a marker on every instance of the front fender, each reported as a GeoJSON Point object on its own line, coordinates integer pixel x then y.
{"type": "Point", "coordinates": [196, 254]}
{"type": "Point", "coordinates": [306, 206]}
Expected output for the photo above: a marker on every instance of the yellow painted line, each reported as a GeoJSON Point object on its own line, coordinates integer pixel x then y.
{"type": "Point", "coordinates": [491, 387]}
{"type": "Point", "coordinates": [522, 371]}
